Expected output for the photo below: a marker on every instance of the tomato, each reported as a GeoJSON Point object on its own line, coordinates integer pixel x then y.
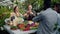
{"type": "Point", "coordinates": [21, 25]}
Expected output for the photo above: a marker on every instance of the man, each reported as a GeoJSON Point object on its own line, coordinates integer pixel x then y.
{"type": "Point", "coordinates": [47, 20]}
{"type": "Point", "coordinates": [57, 9]}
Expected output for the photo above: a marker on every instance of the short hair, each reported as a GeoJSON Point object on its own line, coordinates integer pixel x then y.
{"type": "Point", "coordinates": [58, 6]}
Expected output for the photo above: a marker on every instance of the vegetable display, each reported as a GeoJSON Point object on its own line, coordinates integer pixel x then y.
{"type": "Point", "coordinates": [26, 26]}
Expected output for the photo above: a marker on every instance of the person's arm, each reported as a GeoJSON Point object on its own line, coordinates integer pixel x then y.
{"type": "Point", "coordinates": [37, 18]}
{"type": "Point", "coordinates": [21, 15]}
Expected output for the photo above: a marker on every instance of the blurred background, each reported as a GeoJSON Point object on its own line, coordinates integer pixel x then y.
{"type": "Point", "coordinates": [6, 6]}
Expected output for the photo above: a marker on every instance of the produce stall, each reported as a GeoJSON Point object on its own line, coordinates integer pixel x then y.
{"type": "Point", "coordinates": [18, 31]}
{"type": "Point", "coordinates": [26, 27]}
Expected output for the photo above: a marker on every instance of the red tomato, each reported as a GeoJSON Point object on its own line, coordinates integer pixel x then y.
{"type": "Point", "coordinates": [21, 25]}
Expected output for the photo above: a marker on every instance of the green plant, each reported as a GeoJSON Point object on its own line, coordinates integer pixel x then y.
{"type": "Point", "coordinates": [4, 13]}
{"type": "Point", "coordinates": [22, 11]}
{"type": "Point", "coordinates": [3, 17]}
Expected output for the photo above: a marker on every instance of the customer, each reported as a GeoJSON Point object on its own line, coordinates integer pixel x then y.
{"type": "Point", "coordinates": [57, 8]}
{"type": "Point", "coordinates": [47, 20]}
{"type": "Point", "coordinates": [16, 12]}
{"type": "Point", "coordinates": [30, 13]}
{"type": "Point", "coordinates": [16, 16]}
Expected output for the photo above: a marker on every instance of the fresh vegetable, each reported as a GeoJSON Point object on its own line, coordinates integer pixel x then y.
{"type": "Point", "coordinates": [14, 27]}
{"type": "Point", "coordinates": [26, 26]}
{"type": "Point", "coordinates": [33, 28]}
{"type": "Point", "coordinates": [21, 25]}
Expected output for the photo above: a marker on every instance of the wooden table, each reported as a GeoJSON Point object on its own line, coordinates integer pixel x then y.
{"type": "Point", "coordinates": [7, 28]}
